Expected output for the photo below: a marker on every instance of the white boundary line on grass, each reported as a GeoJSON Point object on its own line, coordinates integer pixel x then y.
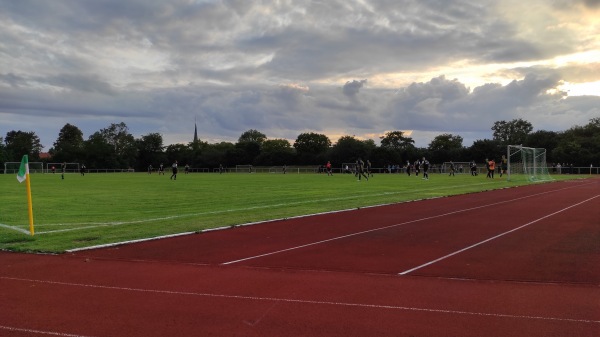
{"type": "Point", "coordinates": [387, 227]}
{"type": "Point", "coordinates": [495, 237]}
{"type": "Point", "coordinates": [301, 301]}
{"type": "Point", "coordinates": [18, 229]}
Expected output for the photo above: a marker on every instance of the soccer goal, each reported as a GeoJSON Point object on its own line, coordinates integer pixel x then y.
{"type": "Point", "coordinates": [527, 163]}
{"type": "Point", "coordinates": [243, 168]}
{"type": "Point", "coordinates": [57, 167]}
{"type": "Point", "coordinates": [13, 167]}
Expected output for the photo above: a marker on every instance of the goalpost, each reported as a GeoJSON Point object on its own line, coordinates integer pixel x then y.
{"type": "Point", "coordinates": [13, 167]}
{"type": "Point", "coordinates": [526, 163]}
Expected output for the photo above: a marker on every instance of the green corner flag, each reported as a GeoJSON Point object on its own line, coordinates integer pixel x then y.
{"type": "Point", "coordinates": [24, 169]}
{"type": "Point", "coordinates": [23, 175]}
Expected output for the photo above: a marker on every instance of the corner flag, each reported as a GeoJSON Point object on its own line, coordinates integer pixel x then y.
{"type": "Point", "coordinates": [24, 169]}
{"type": "Point", "coordinates": [23, 175]}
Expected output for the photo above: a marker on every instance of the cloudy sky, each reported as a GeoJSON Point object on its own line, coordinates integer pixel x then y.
{"type": "Point", "coordinates": [283, 67]}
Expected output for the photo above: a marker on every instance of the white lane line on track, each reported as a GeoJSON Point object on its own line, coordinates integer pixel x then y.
{"type": "Point", "coordinates": [387, 227]}
{"type": "Point", "coordinates": [38, 332]}
{"type": "Point", "coordinates": [312, 302]}
{"type": "Point", "coordinates": [495, 237]}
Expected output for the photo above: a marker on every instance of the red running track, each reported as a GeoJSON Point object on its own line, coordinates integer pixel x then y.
{"type": "Point", "coordinates": [514, 262]}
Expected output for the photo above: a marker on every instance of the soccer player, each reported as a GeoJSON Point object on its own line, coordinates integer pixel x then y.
{"type": "Point", "coordinates": [417, 166]}
{"type": "Point", "coordinates": [503, 165]}
{"type": "Point", "coordinates": [473, 167]}
{"type": "Point", "coordinates": [161, 169]}
{"type": "Point", "coordinates": [369, 173]}
{"type": "Point", "coordinates": [491, 166]}
{"type": "Point", "coordinates": [174, 170]}
{"type": "Point", "coordinates": [186, 170]}
{"type": "Point", "coordinates": [451, 169]}
{"type": "Point", "coordinates": [360, 169]}
{"type": "Point", "coordinates": [425, 164]}
{"type": "Point", "coordinates": [328, 168]}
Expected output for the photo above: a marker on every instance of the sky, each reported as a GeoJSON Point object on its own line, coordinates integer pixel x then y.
{"type": "Point", "coordinates": [340, 68]}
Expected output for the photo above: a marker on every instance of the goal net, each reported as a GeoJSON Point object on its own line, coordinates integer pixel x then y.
{"type": "Point", "coordinates": [13, 167]}
{"type": "Point", "coordinates": [526, 163]}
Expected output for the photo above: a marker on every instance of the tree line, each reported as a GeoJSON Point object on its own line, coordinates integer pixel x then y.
{"type": "Point", "coordinates": [115, 147]}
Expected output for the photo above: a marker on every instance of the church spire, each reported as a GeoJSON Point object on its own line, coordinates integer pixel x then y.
{"type": "Point", "coordinates": [195, 132]}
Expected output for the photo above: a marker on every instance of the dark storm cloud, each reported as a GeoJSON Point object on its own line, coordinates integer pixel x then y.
{"type": "Point", "coordinates": [351, 89]}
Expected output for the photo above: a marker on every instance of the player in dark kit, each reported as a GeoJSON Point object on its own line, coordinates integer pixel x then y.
{"type": "Point", "coordinates": [174, 170]}
{"type": "Point", "coordinates": [473, 167]}
{"type": "Point", "coordinates": [503, 165]}
{"type": "Point", "coordinates": [417, 166]}
{"type": "Point", "coordinates": [368, 168]}
{"type": "Point", "coordinates": [425, 164]}
{"type": "Point", "coordinates": [360, 169]}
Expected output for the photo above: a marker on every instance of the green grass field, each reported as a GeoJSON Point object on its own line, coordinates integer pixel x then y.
{"type": "Point", "coordinates": [107, 208]}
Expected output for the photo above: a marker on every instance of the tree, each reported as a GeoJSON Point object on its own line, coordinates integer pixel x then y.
{"type": "Point", "coordinates": [311, 147]}
{"type": "Point", "coordinates": [446, 142]}
{"type": "Point", "coordinates": [19, 143]}
{"type": "Point", "coordinates": [397, 140]}
{"type": "Point", "coordinates": [69, 145]}
{"type": "Point", "coordinates": [123, 143]}
{"type": "Point", "coordinates": [216, 154]}
{"type": "Point", "coordinates": [348, 149]}
{"type": "Point", "coordinates": [150, 151]}
{"type": "Point", "coordinates": [580, 145]}
{"type": "Point", "coordinates": [99, 153]}
{"type": "Point", "coordinates": [276, 152]}
{"type": "Point", "coordinates": [400, 148]}
{"type": "Point", "coordinates": [312, 143]}
{"type": "Point", "coordinates": [252, 136]}
{"type": "Point", "coordinates": [3, 155]}
{"type": "Point", "coordinates": [548, 140]}
{"type": "Point", "coordinates": [244, 153]}
{"type": "Point", "coordinates": [179, 152]}
{"type": "Point", "coordinates": [486, 148]}
{"type": "Point", "coordinates": [445, 147]}
{"type": "Point", "coordinates": [512, 133]}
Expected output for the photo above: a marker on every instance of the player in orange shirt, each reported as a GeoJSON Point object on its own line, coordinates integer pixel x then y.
{"type": "Point", "coordinates": [491, 164]}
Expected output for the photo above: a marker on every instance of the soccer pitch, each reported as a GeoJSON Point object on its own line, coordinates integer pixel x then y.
{"type": "Point", "coordinates": [101, 208]}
